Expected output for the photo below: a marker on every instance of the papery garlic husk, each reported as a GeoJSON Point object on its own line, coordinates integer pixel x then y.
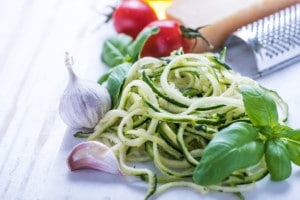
{"type": "Point", "coordinates": [94, 155]}
{"type": "Point", "coordinates": [83, 102]}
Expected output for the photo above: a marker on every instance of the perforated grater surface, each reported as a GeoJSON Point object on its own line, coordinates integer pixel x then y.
{"type": "Point", "coordinates": [266, 45]}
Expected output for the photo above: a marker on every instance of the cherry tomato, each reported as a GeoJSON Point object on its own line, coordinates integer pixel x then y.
{"type": "Point", "coordinates": [168, 39]}
{"type": "Point", "coordinates": [132, 16]}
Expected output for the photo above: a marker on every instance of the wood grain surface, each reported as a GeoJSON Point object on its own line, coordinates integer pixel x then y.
{"type": "Point", "coordinates": [34, 35]}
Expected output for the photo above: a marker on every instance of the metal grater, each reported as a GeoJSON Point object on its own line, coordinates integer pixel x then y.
{"type": "Point", "coordinates": [269, 44]}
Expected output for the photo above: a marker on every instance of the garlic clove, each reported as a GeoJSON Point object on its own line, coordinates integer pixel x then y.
{"type": "Point", "coordinates": [83, 102]}
{"type": "Point", "coordinates": [93, 155]}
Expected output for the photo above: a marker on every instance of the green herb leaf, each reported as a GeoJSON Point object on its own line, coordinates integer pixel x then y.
{"type": "Point", "coordinates": [291, 135]}
{"type": "Point", "coordinates": [104, 76]}
{"type": "Point", "coordinates": [115, 81]}
{"type": "Point", "coordinates": [281, 103]}
{"type": "Point", "coordinates": [277, 159]}
{"type": "Point", "coordinates": [121, 48]}
{"type": "Point", "coordinates": [115, 51]}
{"type": "Point", "coordinates": [291, 139]}
{"type": "Point", "coordinates": [274, 132]}
{"type": "Point", "coordinates": [294, 151]}
{"type": "Point", "coordinates": [236, 147]}
{"type": "Point", "coordinates": [261, 109]}
{"type": "Point", "coordinates": [120, 52]}
{"type": "Point", "coordinates": [136, 46]}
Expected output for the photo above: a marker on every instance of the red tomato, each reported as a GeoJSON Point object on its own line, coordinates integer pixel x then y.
{"type": "Point", "coordinates": [132, 16]}
{"type": "Point", "coordinates": [168, 39]}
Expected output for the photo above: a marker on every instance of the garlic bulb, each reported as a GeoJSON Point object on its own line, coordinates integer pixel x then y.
{"type": "Point", "coordinates": [83, 102]}
{"type": "Point", "coordinates": [93, 155]}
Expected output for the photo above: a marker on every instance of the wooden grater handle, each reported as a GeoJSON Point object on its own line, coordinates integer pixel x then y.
{"type": "Point", "coordinates": [217, 32]}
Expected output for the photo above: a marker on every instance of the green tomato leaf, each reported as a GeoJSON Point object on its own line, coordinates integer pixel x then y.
{"type": "Point", "coordinates": [277, 159]}
{"type": "Point", "coordinates": [260, 107]}
{"type": "Point", "coordinates": [235, 147]}
{"type": "Point", "coordinates": [115, 50]}
{"type": "Point", "coordinates": [115, 81]}
{"type": "Point", "coordinates": [137, 45]}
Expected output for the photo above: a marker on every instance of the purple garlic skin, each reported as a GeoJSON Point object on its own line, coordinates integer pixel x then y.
{"type": "Point", "coordinates": [93, 155]}
{"type": "Point", "coordinates": [83, 102]}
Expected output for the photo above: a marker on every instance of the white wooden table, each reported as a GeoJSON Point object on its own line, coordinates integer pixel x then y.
{"type": "Point", "coordinates": [34, 142]}
{"type": "Point", "coordinates": [33, 38]}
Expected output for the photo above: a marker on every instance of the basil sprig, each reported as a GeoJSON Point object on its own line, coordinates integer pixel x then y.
{"type": "Point", "coordinates": [236, 147]}
{"type": "Point", "coordinates": [122, 48]}
{"type": "Point", "coordinates": [242, 145]}
{"type": "Point", "coordinates": [120, 52]}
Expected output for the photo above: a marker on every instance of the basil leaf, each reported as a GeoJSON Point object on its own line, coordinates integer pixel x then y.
{"type": "Point", "coordinates": [260, 107]}
{"type": "Point", "coordinates": [291, 135]}
{"type": "Point", "coordinates": [136, 46]}
{"type": "Point", "coordinates": [120, 52]}
{"type": "Point", "coordinates": [281, 130]}
{"type": "Point", "coordinates": [115, 51]}
{"type": "Point", "coordinates": [121, 48]}
{"type": "Point", "coordinates": [294, 151]}
{"type": "Point", "coordinates": [115, 81]}
{"type": "Point", "coordinates": [277, 159]}
{"type": "Point", "coordinates": [274, 132]}
{"type": "Point", "coordinates": [235, 147]}
{"type": "Point", "coordinates": [104, 76]}
{"type": "Point", "coordinates": [282, 104]}
{"type": "Point", "coordinates": [291, 139]}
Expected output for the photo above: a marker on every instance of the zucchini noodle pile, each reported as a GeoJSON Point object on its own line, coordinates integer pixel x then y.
{"type": "Point", "coordinates": [168, 112]}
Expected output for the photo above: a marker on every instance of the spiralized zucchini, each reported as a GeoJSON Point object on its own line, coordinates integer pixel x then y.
{"type": "Point", "coordinates": [168, 112]}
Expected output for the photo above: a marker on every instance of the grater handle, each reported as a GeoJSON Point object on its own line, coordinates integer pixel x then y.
{"type": "Point", "coordinates": [218, 32]}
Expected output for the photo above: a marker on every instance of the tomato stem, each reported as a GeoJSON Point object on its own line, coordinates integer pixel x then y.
{"type": "Point", "coordinates": [110, 14]}
{"type": "Point", "coordinates": [190, 33]}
